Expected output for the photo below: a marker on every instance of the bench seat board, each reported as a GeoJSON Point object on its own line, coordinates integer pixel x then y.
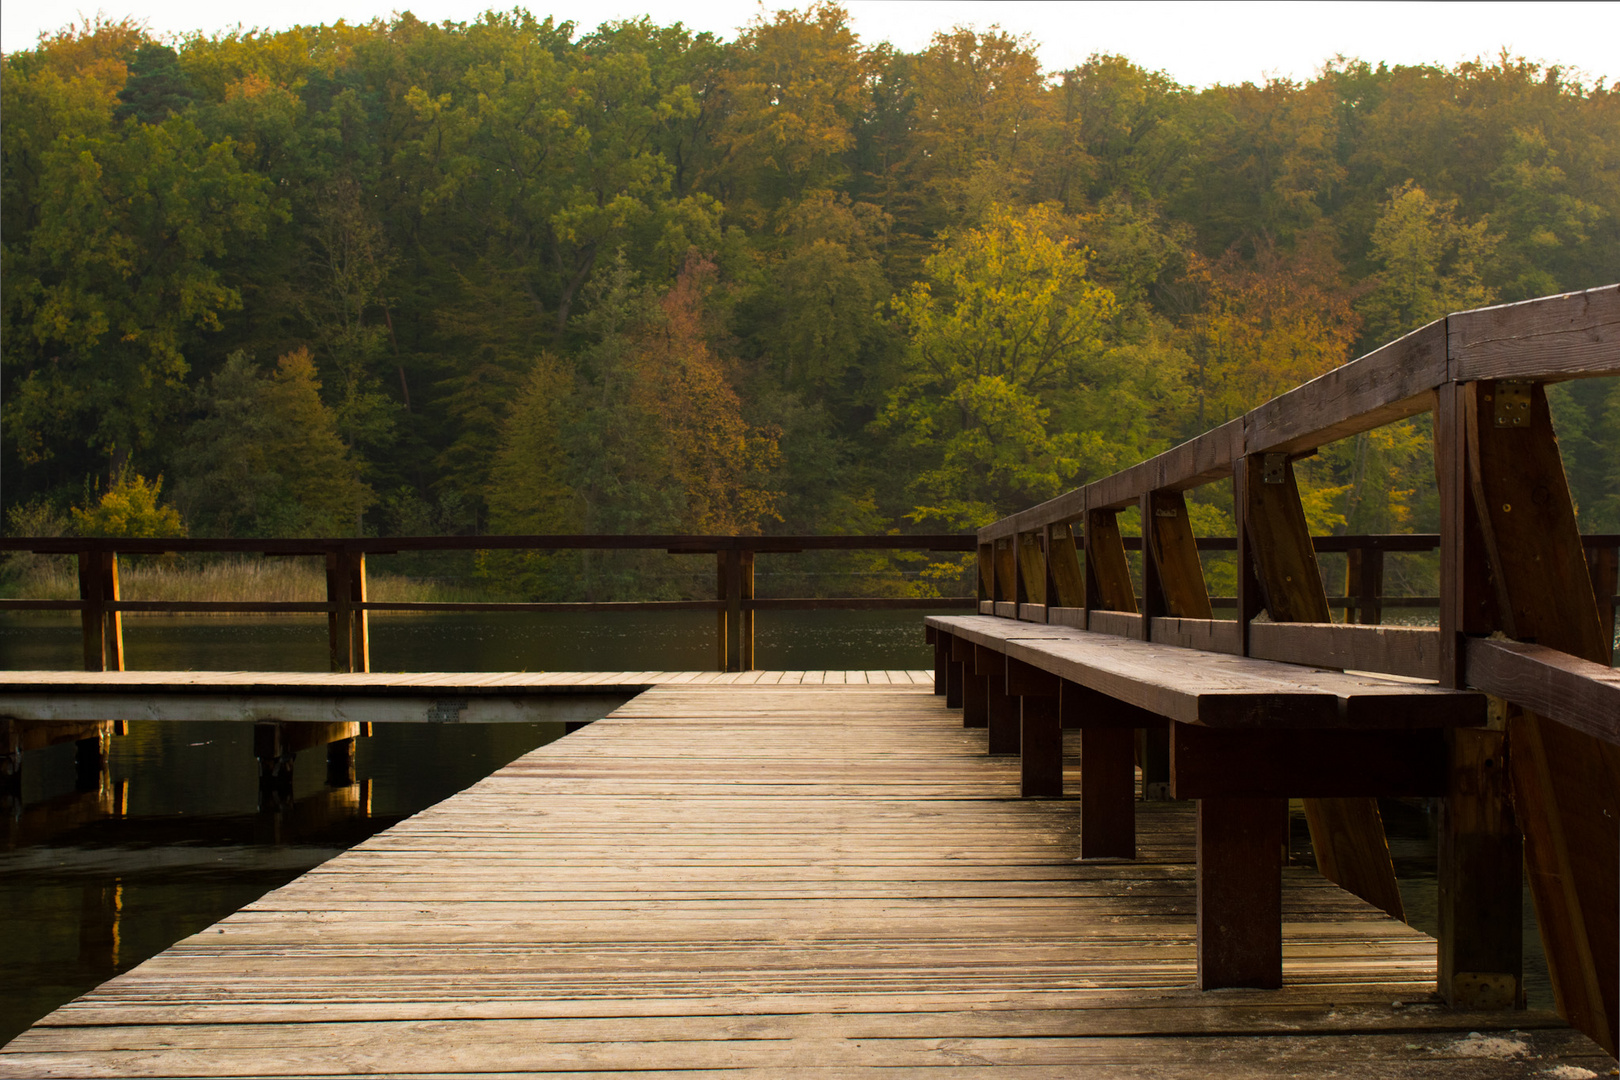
{"type": "Point", "coordinates": [1216, 689]}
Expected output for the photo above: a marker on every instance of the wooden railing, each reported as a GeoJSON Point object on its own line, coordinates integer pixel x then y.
{"type": "Point", "coordinates": [348, 606]}
{"type": "Point", "coordinates": [1526, 613]}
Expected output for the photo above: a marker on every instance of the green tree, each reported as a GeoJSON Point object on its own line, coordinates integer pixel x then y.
{"type": "Point", "coordinates": [1433, 264]}
{"type": "Point", "coordinates": [107, 292]}
{"type": "Point", "coordinates": [265, 458]}
{"type": "Point", "coordinates": [1007, 322]}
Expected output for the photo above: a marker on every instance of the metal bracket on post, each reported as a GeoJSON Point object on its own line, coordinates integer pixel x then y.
{"type": "Point", "coordinates": [1274, 468]}
{"type": "Point", "coordinates": [1511, 402]}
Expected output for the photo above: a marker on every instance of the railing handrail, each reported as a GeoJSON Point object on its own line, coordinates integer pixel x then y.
{"type": "Point", "coordinates": [1548, 339]}
{"type": "Point", "coordinates": [675, 544]}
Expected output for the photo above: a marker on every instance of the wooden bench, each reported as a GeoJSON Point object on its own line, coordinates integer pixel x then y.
{"type": "Point", "coordinates": [1244, 736]}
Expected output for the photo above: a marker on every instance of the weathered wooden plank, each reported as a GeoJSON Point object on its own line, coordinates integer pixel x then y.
{"type": "Point", "coordinates": [1196, 462]}
{"type": "Point", "coordinates": [1575, 692]}
{"type": "Point", "coordinates": [1411, 651]}
{"type": "Point", "coordinates": [1575, 335]}
{"type": "Point", "coordinates": [1388, 384]}
{"type": "Point", "coordinates": [1210, 635]}
{"type": "Point", "coordinates": [1118, 623]}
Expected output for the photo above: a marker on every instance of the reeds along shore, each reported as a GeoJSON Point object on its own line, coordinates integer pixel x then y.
{"type": "Point", "coordinates": [230, 579]}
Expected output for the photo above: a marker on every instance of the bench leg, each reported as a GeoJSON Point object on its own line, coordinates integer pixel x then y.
{"type": "Point", "coordinates": [975, 701]}
{"type": "Point", "coordinates": [1107, 793]}
{"type": "Point", "coordinates": [1003, 719]}
{"type": "Point", "coordinates": [953, 684]}
{"type": "Point", "coordinates": [1040, 748]}
{"type": "Point", "coordinates": [1240, 851]}
{"type": "Point", "coordinates": [942, 660]}
{"type": "Point", "coordinates": [1481, 853]}
{"type": "Point", "coordinates": [1153, 750]}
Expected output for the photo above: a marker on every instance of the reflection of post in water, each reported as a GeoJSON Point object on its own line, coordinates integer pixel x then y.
{"type": "Point", "coordinates": [284, 819]}
{"type": "Point", "coordinates": [41, 822]}
{"type": "Point", "coordinates": [276, 744]}
{"type": "Point", "coordinates": [91, 739]}
{"type": "Point", "coordinates": [101, 913]}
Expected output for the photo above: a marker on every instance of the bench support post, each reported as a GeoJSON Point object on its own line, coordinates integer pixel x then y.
{"type": "Point", "coordinates": [1107, 794]}
{"type": "Point", "coordinates": [1240, 851]}
{"type": "Point", "coordinates": [954, 670]}
{"type": "Point", "coordinates": [965, 690]}
{"type": "Point", "coordinates": [1481, 853]}
{"type": "Point", "coordinates": [1040, 743]}
{"type": "Point", "coordinates": [1001, 711]}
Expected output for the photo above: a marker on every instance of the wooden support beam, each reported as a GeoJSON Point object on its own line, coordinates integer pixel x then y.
{"type": "Point", "coordinates": [1107, 793]}
{"type": "Point", "coordinates": [1063, 567]}
{"type": "Point", "coordinates": [1173, 551]}
{"type": "Point", "coordinates": [1321, 765]}
{"type": "Point", "coordinates": [1240, 853]}
{"type": "Point", "coordinates": [1108, 573]}
{"type": "Point", "coordinates": [1566, 783]}
{"type": "Point", "coordinates": [1040, 744]}
{"type": "Point", "coordinates": [1031, 569]}
{"type": "Point", "coordinates": [961, 663]}
{"type": "Point", "coordinates": [1006, 559]}
{"type": "Point", "coordinates": [1603, 565]}
{"type": "Point", "coordinates": [1347, 834]}
{"type": "Point", "coordinates": [1040, 747]}
{"type": "Point", "coordinates": [987, 572]}
{"type": "Point", "coordinates": [1480, 858]}
{"type": "Point", "coordinates": [1001, 709]}
{"type": "Point", "coordinates": [942, 659]}
{"type": "Point", "coordinates": [1085, 708]}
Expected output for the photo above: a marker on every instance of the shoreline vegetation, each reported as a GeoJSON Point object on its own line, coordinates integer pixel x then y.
{"type": "Point", "coordinates": [236, 580]}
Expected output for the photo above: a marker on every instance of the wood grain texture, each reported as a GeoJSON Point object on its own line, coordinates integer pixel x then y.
{"type": "Point", "coordinates": [1566, 782]}
{"type": "Point", "coordinates": [1553, 337]}
{"type": "Point", "coordinates": [1575, 692]}
{"type": "Point", "coordinates": [768, 881]}
{"type": "Point", "coordinates": [1388, 384]}
{"type": "Point", "coordinates": [1411, 651]}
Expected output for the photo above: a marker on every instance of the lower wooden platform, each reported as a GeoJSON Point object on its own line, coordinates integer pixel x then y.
{"type": "Point", "coordinates": [824, 881]}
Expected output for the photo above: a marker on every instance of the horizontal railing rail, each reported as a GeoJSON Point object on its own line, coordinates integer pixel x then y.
{"type": "Point", "coordinates": [348, 605]}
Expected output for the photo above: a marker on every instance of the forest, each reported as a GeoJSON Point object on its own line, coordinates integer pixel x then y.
{"type": "Point", "coordinates": [517, 276]}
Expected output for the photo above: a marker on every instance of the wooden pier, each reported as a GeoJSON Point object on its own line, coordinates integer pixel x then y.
{"type": "Point", "coordinates": [761, 879]}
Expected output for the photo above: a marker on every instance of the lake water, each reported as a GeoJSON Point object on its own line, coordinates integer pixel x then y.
{"type": "Point", "coordinates": [94, 881]}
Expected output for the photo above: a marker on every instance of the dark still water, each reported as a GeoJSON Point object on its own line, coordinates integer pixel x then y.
{"type": "Point", "coordinates": [97, 873]}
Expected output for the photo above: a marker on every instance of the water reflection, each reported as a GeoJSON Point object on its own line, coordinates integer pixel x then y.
{"type": "Point", "coordinates": [178, 832]}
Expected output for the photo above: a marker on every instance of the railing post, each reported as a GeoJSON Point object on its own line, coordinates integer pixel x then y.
{"type": "Point", "coordinates": [729, 565]}
{"type": "Point", "coordinates": [347, 627]}
{"type": "Point", "coordinates": [102, 630]}
{"type": "Point", "coordinates": [1566, 784]}
{"type": "Point", "coordinates": [745, 615]}
{"type": "Point", "coordinates": [1369, 587]}
{"type": "Point", "coordinates": [360, 619]}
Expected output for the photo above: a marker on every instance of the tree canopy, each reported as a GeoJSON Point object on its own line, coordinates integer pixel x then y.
{"type": "Point", "coordinates": [513, 274]}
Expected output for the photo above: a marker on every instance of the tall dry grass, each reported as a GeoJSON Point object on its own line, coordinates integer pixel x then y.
{"type": "Point", "coordinates": [231, 579]}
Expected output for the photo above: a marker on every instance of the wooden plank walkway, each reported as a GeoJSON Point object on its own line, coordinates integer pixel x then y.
{"type": "Point", "coordinates": [767, 881]}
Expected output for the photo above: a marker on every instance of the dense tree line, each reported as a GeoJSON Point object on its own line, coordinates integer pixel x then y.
{"type": "Point", "coordinates": [509, 276]}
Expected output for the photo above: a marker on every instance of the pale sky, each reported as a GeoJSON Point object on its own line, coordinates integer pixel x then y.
{"type": "Point", "coordinates": [1197, 43]}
